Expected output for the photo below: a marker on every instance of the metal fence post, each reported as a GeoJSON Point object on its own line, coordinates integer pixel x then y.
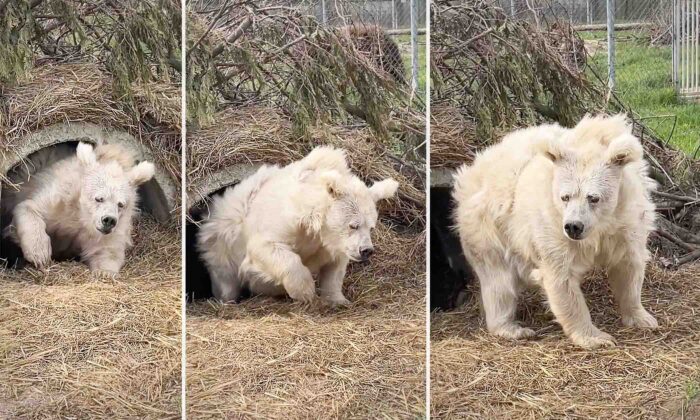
{"type": "Point", "coordinates": [611, 44]}
{"type": "Point", "coordinates": [324, 18]}
{"type": "Point", "coordinates": [589, 17]}
{"type": "Point", "coordinates": [512, 7]}
{"type": "Point", "coordinates": [675, 42]}
{"type": "Point", "coordinates": [414, 45]}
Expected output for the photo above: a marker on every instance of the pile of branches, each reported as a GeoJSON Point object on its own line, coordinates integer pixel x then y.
{"type": "Point", "coordinates": [243, 52]}
{"type": "Point", "coordinates": [115, 64]}
{"type": "Point", "coordinates": [493, 74]}
{"type": "Point", "coordinates": [501, 73]}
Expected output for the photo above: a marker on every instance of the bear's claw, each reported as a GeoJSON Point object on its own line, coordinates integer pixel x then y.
{"type": "Point", "coordinates": [594, 340]}
{"type": "Point", "coordinates": [104, 274]}
{"type": "Point", "coordinates": [337, 301]}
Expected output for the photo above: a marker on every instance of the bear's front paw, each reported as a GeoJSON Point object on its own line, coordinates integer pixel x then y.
{"type": "Point", "coordinates": [336, 300]}
{"type": "Point", "coordinates": [640, 319]}
{"type": "Point", "coordinates": [104, 274]}
{"type": "Point", "coordinates": [39, 252]}
{"type": "Point", "coordinates": [513, 332]}
{"type": "Point", "coordinates": [593, 339]}
{"type": "Point", "coordinates": [305, 293]}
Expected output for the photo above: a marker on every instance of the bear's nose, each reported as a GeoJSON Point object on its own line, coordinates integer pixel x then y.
{"type": "Point", "coordinates": [109, 222]}
{"type": "Point", "coordinates": [574, 229]}
{"type": "Point", "coordinates": [365, 253]}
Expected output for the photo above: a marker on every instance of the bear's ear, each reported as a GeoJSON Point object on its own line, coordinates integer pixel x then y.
{"type": "Point", "coordinates": [141, 173]}
{"type": "Point", "coordinates": [86, 154]}
{"type": "Point", "coordinates": [552, 149]}
{"type": "Point", "coordinates": [383, 189]}
{"type": "Point", "coordinates": [333, 182]}
{"type": "Point", "coordinates": [624, 149]}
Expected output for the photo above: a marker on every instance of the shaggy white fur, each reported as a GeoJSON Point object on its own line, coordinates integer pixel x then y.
{"type": "Point", "coordinates": [545, 206]}
{"type": "Point", "coordinates": [280, 227]}
{"type": "Point", "coordinates": [80, 206]}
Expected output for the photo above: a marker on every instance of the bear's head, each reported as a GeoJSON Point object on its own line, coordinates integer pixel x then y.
{"type": "Point", "coordinates": [589, 161]}
{"type": "Point", "coordinates": [352, 213]}
{"type": "Point", "coordinates": [108, 190]}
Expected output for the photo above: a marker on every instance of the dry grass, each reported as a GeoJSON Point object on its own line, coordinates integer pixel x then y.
{"type": "Point", "coordinates": [475, 375]}
{"type": "Point", "coordinates": [61, 94]}
{"type": "Point", "coordinates": [75, 347]}
{"type": "Point", "coordinates": [268, 358]}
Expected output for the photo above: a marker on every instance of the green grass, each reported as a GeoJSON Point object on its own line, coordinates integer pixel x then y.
{"type": "Point", "coordinates": [692, 390]}
{"type": "Point", "coordinates": [644, 83]}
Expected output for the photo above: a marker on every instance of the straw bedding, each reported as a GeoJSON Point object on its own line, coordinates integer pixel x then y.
{"type": "Point", "coordinates": [269, 358]}
{"type": "Point", "coordinates": [648, 375]}
{"type": "Point", "coordinates": [75, 347]}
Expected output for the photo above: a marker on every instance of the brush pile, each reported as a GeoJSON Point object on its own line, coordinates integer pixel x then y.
{"type": "Point", "coordinates": [242, 53]}
{"type": "Point", "coordinates": [492, 74]}
{"type": "Point", "coordinates": [74, 62]}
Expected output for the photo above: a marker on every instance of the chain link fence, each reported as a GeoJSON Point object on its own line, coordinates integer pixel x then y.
{"type": "Point", "coordinates": [587, 12]}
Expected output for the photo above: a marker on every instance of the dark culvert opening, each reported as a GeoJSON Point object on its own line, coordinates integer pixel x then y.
{"type": "Point", "coordinates": [449, 271]}
{"type": "Point", "coordinates": [152, 199]}
{"type": "Point", "coordinates": [197, 281]}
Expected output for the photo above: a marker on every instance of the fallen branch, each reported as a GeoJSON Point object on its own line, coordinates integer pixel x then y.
{"type": "Point", "coordinates": [688, 258]}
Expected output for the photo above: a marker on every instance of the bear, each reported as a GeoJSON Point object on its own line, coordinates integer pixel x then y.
{"type": "Point", "coordinates": [80, 206]}
{"type": "Point", "coordinates": [549, 204]}
{"type": "Point", "coordinates": [278, 229]}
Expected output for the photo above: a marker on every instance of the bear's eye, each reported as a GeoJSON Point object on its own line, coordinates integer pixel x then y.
{"type": "Point", "coordinates": [99, 199]}
{"type": "Point", "coordinates": [354, 226]}
{"type": "Point", "coordinates": [120, 205]}
{"type": "Point", "coordinates": [593, 199]}
{"type": "Point", "coordinates": [565, 198]}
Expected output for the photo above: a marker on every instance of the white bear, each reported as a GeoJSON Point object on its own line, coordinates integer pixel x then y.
{"type": "Point", "coordinates": [280, 227]}
{"type": "Point", "coordinates": [80, 206]}
{"type": "Point", "coordinates": [545, 206]}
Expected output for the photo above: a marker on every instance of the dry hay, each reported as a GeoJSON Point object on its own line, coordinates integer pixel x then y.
{"type": "Point", "coordinates": [75, 347]}
{"type": "Point", "coordinates": [82, 92]}
{"type": "Point", "coordinates": [269, 358]}
{"type": "Point", "coordinates": [62, 93]}
{"type": "Point", "coordinates": [477, 375]}
{"type": "Point", "coordinates": [452, 138]}
{"type": "Point", "coordinates": [249, 135]}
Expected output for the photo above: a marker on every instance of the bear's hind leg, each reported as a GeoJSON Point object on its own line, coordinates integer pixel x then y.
{"type": "Point", "coordinates": [499, 294]}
